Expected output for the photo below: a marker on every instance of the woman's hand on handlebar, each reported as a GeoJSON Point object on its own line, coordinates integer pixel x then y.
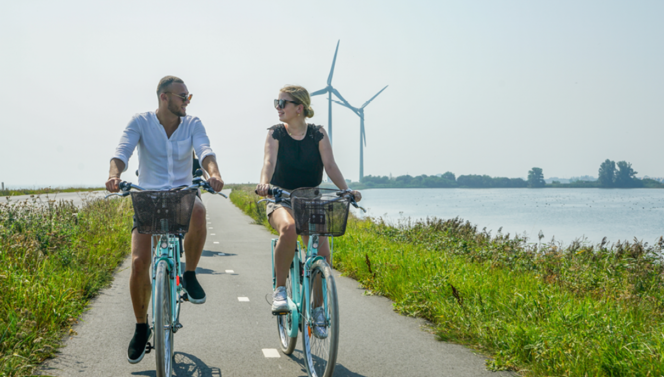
{"type": "Point", "coordinates": [262, 189]}
{"type": "Point", "coordinates": [113, 184]}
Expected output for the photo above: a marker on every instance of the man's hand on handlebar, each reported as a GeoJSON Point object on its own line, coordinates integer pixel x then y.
{"type": "Point", "coordinates": [112, 185]}
{"type": "Point", "coordinates": [217, 184]}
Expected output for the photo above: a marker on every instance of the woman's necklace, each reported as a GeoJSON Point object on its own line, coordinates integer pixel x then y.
{"type": "Point", "coordinates": [305, 132]}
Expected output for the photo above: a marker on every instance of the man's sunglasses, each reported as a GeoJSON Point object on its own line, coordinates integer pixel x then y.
{"type": "Point", "coordinates": [182, 97]}
{"type": "Point", "coordinates": [281, 103]}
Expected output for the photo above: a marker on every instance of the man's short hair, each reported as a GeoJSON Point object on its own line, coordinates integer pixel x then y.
{"type": "Point", "coordinates": [165, 82]}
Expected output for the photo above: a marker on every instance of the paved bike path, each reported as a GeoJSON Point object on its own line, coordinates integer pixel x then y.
{"type": "Point", "coordinates": [229, 336]}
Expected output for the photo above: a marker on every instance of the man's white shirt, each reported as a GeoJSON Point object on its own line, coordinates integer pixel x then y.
{"type": "Point", "coordinates": [163, 162]}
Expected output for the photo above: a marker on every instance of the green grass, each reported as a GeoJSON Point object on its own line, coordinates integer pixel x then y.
{"type": "Point", "coordinates": [538, 309]}
{"type": "Point", "coordinates": [46, 190]}
{"type": "Point", "coordinates": [54, 257]}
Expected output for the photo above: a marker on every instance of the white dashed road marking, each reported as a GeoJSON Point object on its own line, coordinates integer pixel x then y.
{"type": "Point", "coordinates": [243, 299]}
{"type": "Point", "coordinates": [210, 228]}
{"type": "Point", "coordinates": [230, 271]}
{"type": "Point", "coordinates": [216, 242]}
{"type": "Point", "coordinates": [212, 234]}
{"type": "Point", "coordinates": [270, 352]}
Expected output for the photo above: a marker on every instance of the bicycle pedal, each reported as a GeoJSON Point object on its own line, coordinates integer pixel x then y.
{"type": "Point", "coordinates": [148, 347]}
{"type": "Point", "coordinates": [184, 297]}
{"type": "Point", "coordinates": [286, 312]}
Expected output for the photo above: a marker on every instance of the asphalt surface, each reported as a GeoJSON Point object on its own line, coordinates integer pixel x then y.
{"type": "Point", "coordinates": [229, 337]}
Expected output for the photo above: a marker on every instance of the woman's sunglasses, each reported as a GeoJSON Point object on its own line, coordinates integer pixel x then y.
{"type": "Point", "coordinates": [281, 103]}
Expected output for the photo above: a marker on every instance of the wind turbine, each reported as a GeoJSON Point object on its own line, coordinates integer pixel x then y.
{"type": "Point", "coordinates": [363, 137]}
{"type": "Point", "coordinates": [329, 89]}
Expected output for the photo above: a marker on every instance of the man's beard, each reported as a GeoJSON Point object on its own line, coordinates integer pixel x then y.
{"type": "Point", "coordinates": [176, 110]}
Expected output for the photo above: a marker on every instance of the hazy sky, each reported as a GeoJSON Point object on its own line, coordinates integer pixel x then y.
{"type": "Point", "coordinates": [475, 87]}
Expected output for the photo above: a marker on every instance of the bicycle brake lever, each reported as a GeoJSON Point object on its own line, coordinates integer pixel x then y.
{"type": "Point", "coordinates": [115, 194]}
{"type": "Point", "coordinates": [358, 206]}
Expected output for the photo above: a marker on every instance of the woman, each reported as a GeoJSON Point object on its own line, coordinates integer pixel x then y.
{"type": "Point", "coordinates": [295, 155]}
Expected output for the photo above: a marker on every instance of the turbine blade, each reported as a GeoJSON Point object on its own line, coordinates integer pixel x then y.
{"type": "Point", "coordinates": [318, 92]}
{"type": "Point", "coordinates": [372, 98]}
{"type": "Point", "coordinates": [336, 93]}
{"type": "Point", "coordinates": [339, 102]}
{"type": "Point", "coordinates": [334, 61]}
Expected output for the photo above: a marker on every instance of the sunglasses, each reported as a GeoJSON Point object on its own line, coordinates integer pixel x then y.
{"type": "Point", "coordinates": [182, 97]}
{"type": "Point", "coordinates": [281, 103]}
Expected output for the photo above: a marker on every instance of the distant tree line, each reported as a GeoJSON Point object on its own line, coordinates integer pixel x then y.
{"type": "Point", "coordinates": [620, 175]}
{"type": "Point", "coordinates": [447, 180]}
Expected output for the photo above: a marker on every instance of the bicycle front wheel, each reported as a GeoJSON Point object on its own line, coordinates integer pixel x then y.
{"type": "Point", "coordinates": [285, 323]}
{"type": "Point", "coordinates": [163, 331]}
{"type": "Point", "coordinates": [320, 335]}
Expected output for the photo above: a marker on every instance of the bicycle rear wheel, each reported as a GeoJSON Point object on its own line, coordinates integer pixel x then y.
{"type": "Point", "coordinates": [163, 331]}
{"type": "Point", "coordinates": [285, 322]}
{"type": "Point", "coordinates": [320, 353]}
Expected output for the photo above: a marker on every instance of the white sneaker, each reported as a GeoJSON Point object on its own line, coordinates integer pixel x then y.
{"type": "Point", "coordinates": [280, 300]}
{"type": "Point", "coordinates": [320, 325]}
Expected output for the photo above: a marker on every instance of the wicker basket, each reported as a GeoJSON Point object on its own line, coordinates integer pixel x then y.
{"type": "Point", "coordinates": [319, 211]}
{"type": "Point", "coordinates": [163, 212]}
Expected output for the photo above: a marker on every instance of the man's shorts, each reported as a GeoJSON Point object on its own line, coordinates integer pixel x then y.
{"type": "Point", "coordinates": [134, 226]}
{"type": "Point", "coordinates": [271, 207]}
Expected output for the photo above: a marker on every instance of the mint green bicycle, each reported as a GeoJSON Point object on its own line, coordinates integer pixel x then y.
{"type": "Point", "coordinates": [165, 215]}
{"type": "Point", "coordinates": [310, 286]}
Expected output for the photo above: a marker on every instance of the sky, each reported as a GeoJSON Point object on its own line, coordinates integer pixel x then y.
{"type": "Point", "coordinates": [475, 87]}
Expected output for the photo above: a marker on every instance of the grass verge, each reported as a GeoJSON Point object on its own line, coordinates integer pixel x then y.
{"type": "Point", "coordinates": [537, 309]}
{"type": "Point", "coordinates": [54, 257]}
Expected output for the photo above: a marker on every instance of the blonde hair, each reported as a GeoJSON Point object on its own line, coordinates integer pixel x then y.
{"type": "Point", "coordinates": [300, 95]}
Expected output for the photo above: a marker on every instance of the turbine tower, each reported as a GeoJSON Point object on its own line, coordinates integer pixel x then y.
{"type": "Point", "coordinates": [363, 137]}
{"type": "Point", "coordinates": [329, 89]}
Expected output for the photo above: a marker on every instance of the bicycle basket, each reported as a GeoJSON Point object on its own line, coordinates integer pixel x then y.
{"type": "Point", "coordinates": [319, 211]}
{"type": "Point", "coordinates": [163, 212]}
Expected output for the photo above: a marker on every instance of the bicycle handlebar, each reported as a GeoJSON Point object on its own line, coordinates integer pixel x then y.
{"type": "Point", "coordinates": [277, 193]}
{"type": "Point", "coordinates": [198, 182]}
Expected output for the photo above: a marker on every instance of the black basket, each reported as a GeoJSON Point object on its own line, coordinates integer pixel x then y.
{"type": "Point", "coordinates": [163, 212]}
{"type": "Point", "coordinates": [319, 211]}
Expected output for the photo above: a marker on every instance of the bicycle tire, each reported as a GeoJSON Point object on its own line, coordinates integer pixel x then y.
{"type": "Point", "coordinates": [163, 331]}
{"type": "Point", "coordinates": [320, 355]}
{"type": "Point", "coordinates": [285, 322]}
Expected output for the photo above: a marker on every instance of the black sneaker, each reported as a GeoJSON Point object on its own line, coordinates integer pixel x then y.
{"type": "Point", "coordinates": [194, 290]}
{"type": "Point", "coordinates": [138, 343]}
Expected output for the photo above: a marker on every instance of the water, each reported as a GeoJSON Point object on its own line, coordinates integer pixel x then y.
{"type": "Point", "coordinates": [563, 214]}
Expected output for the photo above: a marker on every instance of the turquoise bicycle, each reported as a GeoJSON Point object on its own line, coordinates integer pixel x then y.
{"type": "Point", "coordinates": [165, 215]}
{"type": "Point", "coordinates": [310, 286]}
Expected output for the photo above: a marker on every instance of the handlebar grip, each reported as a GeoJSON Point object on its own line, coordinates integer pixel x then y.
{"type": "Point", "coordinates": [124, 186]}
{"type": "Point", "coordinates": [269, 191]}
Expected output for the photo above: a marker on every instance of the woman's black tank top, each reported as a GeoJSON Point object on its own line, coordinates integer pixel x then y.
{"type": "Point", "coordinates": [299, 163]}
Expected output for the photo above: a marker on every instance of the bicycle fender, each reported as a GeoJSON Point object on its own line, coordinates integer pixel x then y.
{"type": "Point", "coordinates": [295, 319]}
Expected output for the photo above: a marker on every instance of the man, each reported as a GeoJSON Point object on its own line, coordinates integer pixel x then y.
{"type": "Point", "coordinates": [166, 139]}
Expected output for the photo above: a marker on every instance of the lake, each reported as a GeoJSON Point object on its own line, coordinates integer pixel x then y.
{"type": "Point", "coordinates": [564, 214]}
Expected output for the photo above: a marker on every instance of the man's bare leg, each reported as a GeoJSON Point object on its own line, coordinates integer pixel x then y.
{"type": "Point", "coordinates": [193, 248]}
{"type": "Point", "coordinates": [140, 286]}
{"type": "Point", "coordinates": [194, 240]}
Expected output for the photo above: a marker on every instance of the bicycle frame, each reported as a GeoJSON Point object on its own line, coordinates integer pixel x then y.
{"type": "Point", "coordinates": [168, 248]}
{"type": "Point", "coordinates": [300, 273]}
